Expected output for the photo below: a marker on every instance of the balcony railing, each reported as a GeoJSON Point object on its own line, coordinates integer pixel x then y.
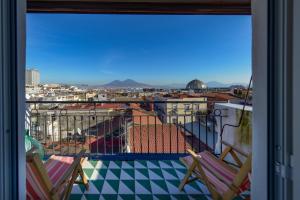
{"type": "Point", "coordinates": [121, 128]}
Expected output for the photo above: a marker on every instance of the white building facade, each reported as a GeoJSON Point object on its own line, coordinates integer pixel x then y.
{"type": "Point", "coordinates": [32, 77]}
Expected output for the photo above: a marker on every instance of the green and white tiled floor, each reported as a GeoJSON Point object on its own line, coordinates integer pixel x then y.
{"type": "Point", "coordinates": [141, 179]}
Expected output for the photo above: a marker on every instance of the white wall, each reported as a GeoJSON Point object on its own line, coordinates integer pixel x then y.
{"type": "Point", "coordinates": [259, 68]}
{"type": "Point", "coordinates": [240, 137]}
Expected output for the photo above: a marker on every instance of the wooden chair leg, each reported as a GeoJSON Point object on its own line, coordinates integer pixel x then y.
{"type": "Point", "coordinates": [70, 184]}
{"type": "Point", "coordinates": [83, 178]}
{"type": "Point", "coordinates": [187, 175]}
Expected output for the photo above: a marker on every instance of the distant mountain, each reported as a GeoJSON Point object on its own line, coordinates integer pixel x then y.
{"type": "Point", "coordinates": [128, 83]}
{"type": "Point", "coordinates": [215, 84]}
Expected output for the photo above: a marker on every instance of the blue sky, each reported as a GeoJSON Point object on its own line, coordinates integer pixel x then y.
{"type": "Point", "coordinates": [154, 49]}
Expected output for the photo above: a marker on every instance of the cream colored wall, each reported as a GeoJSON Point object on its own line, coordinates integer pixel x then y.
{"type": "Point", "coordinates": [185, 116]}
{"type": "Point", "coordinates": [90, 95]}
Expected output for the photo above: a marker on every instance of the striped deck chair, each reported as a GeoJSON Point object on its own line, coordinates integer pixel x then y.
{"type": "Point", "coordinates": [53, 179]}
{"type": "Point", "coordinates": [223, 180]}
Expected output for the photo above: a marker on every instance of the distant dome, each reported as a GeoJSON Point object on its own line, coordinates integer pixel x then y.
{"type": "Point", "coordinates": [195, 85]}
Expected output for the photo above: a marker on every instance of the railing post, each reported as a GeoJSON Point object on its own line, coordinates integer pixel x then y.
{"type": "Point", "coordinates": [45, 129]}
{"type": "Point", "coordinates": [184, 134]}
{"type": "Point", "coordinates": [75, 135]}
{"type": "Point", "coordinates": [52, 129]}
{"type": "Point", "coordinates": [112, 135]}
{"type": "Point", "coordinates": [155, 139]}
{"type": "Point", "coordinates": [97, 134]}
{"type": "Point", "coordinates": [206, 130]}
{"type": "Point", "coordinates": [148, 132]}
{"type": "Point", "coordinates": [59, 121]}
{"type": "Point", "coordinates": [141, 134]}
{"type": "Point", "coordinates": [119, 135]}
{"type": "Point", "coordinates": [133, 134]}
{"type": "Point", "coordinates": [82, 138]}
{"type": "Point", "coordinates": [199, 132]}
{"type": "Point", "coordinates": [221, 135]}
{"type": "Point", "coordinates": [192, 128]}
{"type": "Point", "coordinates": [170, 133]}
{"type": "Point", "coordinates": [177, 132]}
{"type": "Point", "coordinates": [68, 137]}
{"type": "Point", "coordinates": [89, 134]}
{"type": "Point", "coordinates": [104, 135]}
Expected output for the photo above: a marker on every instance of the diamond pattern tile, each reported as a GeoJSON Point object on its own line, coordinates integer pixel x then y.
{"type": "Point", "coordinates": [140, 179]}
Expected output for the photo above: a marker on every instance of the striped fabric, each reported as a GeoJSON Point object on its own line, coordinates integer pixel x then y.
{"type": "Point", "coordinates": [34, 186]}
{"type": "Point", "coordinates": [56, 166]}
{"type": "Point", "coordinates": [211, 164]}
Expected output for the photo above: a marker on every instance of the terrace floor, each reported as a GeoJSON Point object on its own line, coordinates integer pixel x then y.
{"type": "Point", "coordinates": [140, 179]}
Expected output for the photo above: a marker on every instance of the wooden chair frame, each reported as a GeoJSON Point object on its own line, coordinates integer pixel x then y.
{"type": "Point", "coordinates": [244, 170]}
{"type": "Point", "coordinates": [68, 178]}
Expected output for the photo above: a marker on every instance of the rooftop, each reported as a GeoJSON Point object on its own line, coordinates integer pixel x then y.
{"type": "Point", "coordinates": [236, 106]}
{"type": "Point", "coordinates": [93, 106]}
{"type": "Point", "coordinates": [219, 96]}
{"type": "Point", "coordinates": [144, 117]}
{"type": "Point", "coordinates": [162, 138]}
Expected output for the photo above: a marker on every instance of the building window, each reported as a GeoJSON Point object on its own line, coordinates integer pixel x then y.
{"type": "Point", "coordinates": [186, 107]}
{"type": "Point", "coordinates": [174, 106]}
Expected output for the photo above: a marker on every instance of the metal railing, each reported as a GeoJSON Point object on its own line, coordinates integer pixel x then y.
{"type": "Point", "coordinates": [122, 127]}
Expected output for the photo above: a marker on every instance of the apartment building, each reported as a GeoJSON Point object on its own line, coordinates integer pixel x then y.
{"type": "Point", "coordinates": [180, 109]}
{"type": "Point", "coordinates": [32, 77]}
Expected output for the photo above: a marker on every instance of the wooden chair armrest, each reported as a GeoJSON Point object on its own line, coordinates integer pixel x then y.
{"type": "Point", "coordinates": [233, 151]}
{"type": "Point", "coordinates": [236, 149]}
{"type": "Point", "coordinates": [225, 152]}
{"type": "Point", "coordinates": [193, 154]}
{"type": "Point", "coordinates": [69, 172]}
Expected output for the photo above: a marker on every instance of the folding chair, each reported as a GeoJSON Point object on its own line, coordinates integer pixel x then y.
{"type": "Point", "coordinates": [53, 179]}
{"type": "Point", "coordinates": [223, 180]}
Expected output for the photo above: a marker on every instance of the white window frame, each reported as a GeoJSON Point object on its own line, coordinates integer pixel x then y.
{"type": "Point", "coordinates": [12, 30]}
{"type": "Point", "coordinates": [12, 99]}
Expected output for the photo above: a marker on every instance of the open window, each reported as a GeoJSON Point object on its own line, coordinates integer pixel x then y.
{"type": "Point", "coordinates": [275, 40]}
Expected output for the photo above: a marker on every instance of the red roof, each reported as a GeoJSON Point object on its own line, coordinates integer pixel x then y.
{"type": "Point", "coordinates": [182, 96]}
{"type": "Point", "coordinates": [91, 106]}
{"type": "Point", "coordinates": [219, 96]}
{"type": "Point", "coordinates": [144, 117]}
{"type": "Point", "coordinates": [162, 138]}
{"type": "Point", "coordinates": [135, 105]}
{"type": "Point", "coordinates": [111, 143]}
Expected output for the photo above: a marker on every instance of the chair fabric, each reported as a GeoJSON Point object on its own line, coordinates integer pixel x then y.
{"type": "Point", "coordinates": [225, 173]}
{"type": "Point", "coordinates": [55, 166]}
{"type": "Point", "coordinates": [34, 189]}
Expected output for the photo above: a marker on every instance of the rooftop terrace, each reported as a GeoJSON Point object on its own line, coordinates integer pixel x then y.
{"type": "Point", "coordinates": [138, 179]}
{"type": "Point", "coordinates": [130, 154]}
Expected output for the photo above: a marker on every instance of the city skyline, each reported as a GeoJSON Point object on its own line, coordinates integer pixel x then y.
{"type": "Point", "coordinates": [152, 49]}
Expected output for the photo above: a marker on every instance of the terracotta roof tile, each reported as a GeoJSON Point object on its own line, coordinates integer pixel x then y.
{"type": "Point", "coordinates": [91, 106]}
{"type": "Point", "coordinates": [144, 118]}
{"type": "Point", "coordinates": [164, 138]}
